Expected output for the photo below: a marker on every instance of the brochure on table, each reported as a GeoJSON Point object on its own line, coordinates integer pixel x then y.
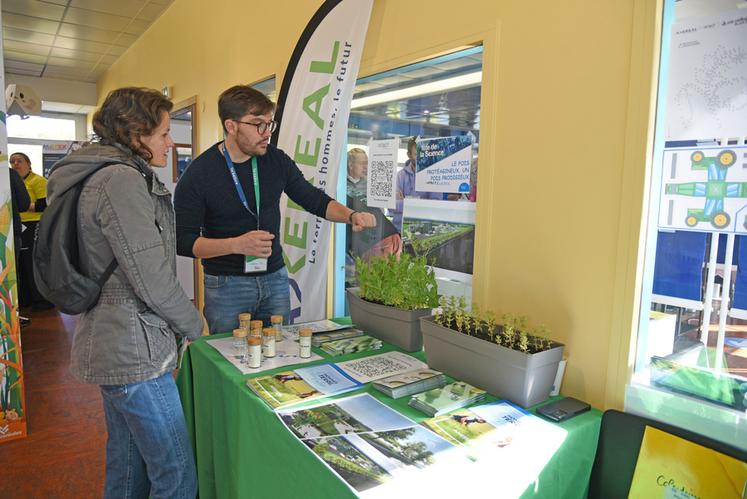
{"type": "Point", "coordinates": [380, 366]}
{"type": "Point", "coordinates": [286, 353]}
{"type": "Point", "coordinates": [346, 346]}
{"type": "Point", "coordinates": [378, 452]}
{"type": "Point", "coordinates": [322, 326]}
{"type": "Point", "coordinates": [320, 338]}
{"type": "Point", "coordinates": [304, 384]}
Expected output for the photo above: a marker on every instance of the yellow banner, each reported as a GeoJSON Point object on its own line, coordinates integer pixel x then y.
{"type": "Point", "coordinates": [670, 467]}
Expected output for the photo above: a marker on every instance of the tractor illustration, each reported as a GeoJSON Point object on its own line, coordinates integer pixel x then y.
{"type": "Point", "coordinates": [715, 190]}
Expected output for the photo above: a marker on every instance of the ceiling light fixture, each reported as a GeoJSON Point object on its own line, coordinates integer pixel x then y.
{"type": "Point", "coordinates": [432, 87]}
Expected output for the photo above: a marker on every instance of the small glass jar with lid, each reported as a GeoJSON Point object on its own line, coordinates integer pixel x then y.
{"type": "Point", "coordinates": [245, 320]}
{"type": "Point", "coordinates": [239, 344]}
{"type": "Point", "coordinates": [268, 342]}
{"type": "Point", "coordinates": [304, 342]}
{"type": "Point", "coordinates": [277, 324]}
{"type": "Point", "coordinates": [255, 328]}
{"type": "Point", "coordinates": [254, 358]}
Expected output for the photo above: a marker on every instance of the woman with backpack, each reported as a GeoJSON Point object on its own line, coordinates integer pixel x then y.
{"type": "Point", "coordinates": [127, 342]}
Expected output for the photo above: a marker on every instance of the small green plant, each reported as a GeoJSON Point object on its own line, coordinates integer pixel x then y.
{"type": "Point", "coordinates": [523, 341]}
{"type": "Point", "coordinates": [541, 340]}
{"type": "Point", "coordinates": [440, 317]}
{"type": "Point", "coordinates": [509, 331]}
{"type": "Point", "coordinates": [406, 282]}
{"type": "Point", "coordinates": [490, 322]}
{"type": "Point", "coordinates": [513, 331]}
{"type": "Point", "coordinates": [476, 319]}
{"type": "Point", "coordinates": [459, 320]}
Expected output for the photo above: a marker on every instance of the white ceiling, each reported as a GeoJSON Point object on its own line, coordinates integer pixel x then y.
{"type": "Point", "coordinates": [72, 39]}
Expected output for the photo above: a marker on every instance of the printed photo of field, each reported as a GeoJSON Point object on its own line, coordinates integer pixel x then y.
{"type": "Point", "coordinates": [366, 460]}
{"type": "Point", "coordinates": [357, 414]}
{"type": "Point", "coordinates": [446, 245]}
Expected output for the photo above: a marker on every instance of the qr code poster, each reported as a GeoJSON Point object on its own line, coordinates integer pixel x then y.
{"type": "Point", "coordinates": [443, 164]}
{"type": "Point", "coordinates": [704, 189]}
{"type": "Point", "coordinates": [382, 173]}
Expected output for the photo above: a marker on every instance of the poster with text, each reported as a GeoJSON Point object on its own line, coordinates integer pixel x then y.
{"type": "Point", "coordinates": [707, 86]}
{"type": "Point", "coordinates": [443, 164]}
{"type": "Point", "coordinates": [53, 152]}
{"type": "Point", "coordinates": [313, 110]}
{"type": "Point", "coordinates": [382, 173]}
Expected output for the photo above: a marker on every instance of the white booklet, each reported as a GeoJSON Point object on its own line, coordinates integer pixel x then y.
{"type": "Point", "coordinates": [380, 366]}
{"type": "Point", "coordinates": [327, 379]}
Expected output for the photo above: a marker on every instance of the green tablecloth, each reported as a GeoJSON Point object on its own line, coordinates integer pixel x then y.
{"type": "Point", "coordinates": [244, 451]}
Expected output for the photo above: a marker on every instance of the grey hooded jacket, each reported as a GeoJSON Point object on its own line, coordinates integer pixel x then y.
{"type": "Point", "coordinates": [125, 212]}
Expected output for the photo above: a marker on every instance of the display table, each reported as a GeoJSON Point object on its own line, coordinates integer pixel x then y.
{"type": "Point", "coordinates": [243, 450]}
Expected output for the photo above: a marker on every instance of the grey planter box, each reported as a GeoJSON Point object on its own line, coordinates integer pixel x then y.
{"type": "Point", "coordinates": [525, 379]}
{"type": "Point", "coordinates": [393, 325]}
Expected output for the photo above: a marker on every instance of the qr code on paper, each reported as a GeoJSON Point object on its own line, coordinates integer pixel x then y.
{"type": "Point", "coordinates": [380, 175]}
{"type": "Point", "coordinates": [374, 367]}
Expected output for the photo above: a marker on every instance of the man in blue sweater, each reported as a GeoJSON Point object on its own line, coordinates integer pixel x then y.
{"type": "Point", "coordinates": [227, 205]}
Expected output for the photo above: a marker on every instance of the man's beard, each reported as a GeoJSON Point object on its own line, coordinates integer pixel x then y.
{"type": "Point", "coordinates": [255, 150]}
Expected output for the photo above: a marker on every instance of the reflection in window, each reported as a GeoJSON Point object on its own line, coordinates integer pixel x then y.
{"type": "Point", "coordinates": [692, 338]}
{"type": "Point", "coordinates": [434, 102]}
{"type": "Point", "coordinates": [267, 87]}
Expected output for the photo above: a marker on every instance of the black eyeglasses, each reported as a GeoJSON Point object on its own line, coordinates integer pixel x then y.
{"type": "Point", "coordinates": [263, 126]}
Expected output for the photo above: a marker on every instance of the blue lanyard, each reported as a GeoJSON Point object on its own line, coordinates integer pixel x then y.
{"type": "Point", "coordinates": [237, 184]}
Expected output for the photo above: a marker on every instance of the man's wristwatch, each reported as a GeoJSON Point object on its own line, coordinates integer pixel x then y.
{"type": "Point", "coordinates": [350, 217]}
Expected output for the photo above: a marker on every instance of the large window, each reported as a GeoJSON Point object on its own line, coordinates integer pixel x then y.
{"type": "Point", "coordinates": [41, 127]}
{"type": "Point", "coordinates": [691, 356]}
{"type": "Point", "coordinates": [409, 113]}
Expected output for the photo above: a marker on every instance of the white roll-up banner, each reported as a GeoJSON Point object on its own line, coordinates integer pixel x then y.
{"type": "Point", "coordinates": [313, 110]}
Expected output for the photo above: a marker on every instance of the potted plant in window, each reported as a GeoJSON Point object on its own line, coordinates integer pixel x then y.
{"type": "Point", "coordinates": [507, 359]}
{"type": "Point", "coordinates": [392, 294]}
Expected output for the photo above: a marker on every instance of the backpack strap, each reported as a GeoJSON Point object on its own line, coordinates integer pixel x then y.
{"type": "Point", "coordinates": [107, 273]}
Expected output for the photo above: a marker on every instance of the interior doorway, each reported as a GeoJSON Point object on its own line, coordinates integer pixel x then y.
{"type": "Point", "coordinates": [184, 134]}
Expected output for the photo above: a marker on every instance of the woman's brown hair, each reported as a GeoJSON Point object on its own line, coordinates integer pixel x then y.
{"type": "Point", "coordinates": [128, 114]}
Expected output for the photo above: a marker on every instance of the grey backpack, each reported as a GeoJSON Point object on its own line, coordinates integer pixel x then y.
{"type": "Point", "coordinates": [56, 259]}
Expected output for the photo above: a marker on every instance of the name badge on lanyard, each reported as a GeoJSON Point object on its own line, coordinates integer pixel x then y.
{"type": "Point", "coordinates": [252, 264]}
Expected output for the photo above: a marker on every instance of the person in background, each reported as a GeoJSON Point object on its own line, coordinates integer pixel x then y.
{"type": "Point", "coordinates": [357, 173]}
{"type": "Point", "coordinates": [127, 343]}
{"type": "Point", "coordinates": [36, 186]}
{"type": "Point", "coordinates": [406, 185]}
{"type": "Point", "coordinates": [382, 240]}
{"type": "Point", "coordinates": [228, 207]}
{"type": "Point", "coordinates": [20, 201]}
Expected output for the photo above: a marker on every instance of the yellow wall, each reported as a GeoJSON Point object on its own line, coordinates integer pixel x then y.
{"type": "Point", "coordinates": [564, 135]}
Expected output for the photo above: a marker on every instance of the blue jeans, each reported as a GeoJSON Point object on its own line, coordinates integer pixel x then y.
{"type": "Point", "coordinates": [226, 296]}
{"type": "Point", "coordinates": [148, 452]}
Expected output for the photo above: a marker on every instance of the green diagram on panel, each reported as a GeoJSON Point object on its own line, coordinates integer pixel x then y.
{"type": "Point", "coordinates": [714, 190]}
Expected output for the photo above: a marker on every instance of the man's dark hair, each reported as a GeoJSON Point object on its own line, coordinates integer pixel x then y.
{"type": "Point", "coordinates": [240, 100]}
{"type": "Point", "coordinates": [128, 114]}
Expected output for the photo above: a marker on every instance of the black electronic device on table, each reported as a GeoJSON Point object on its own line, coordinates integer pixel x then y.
{"type": "Point", "coordinates": [563, 409]}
